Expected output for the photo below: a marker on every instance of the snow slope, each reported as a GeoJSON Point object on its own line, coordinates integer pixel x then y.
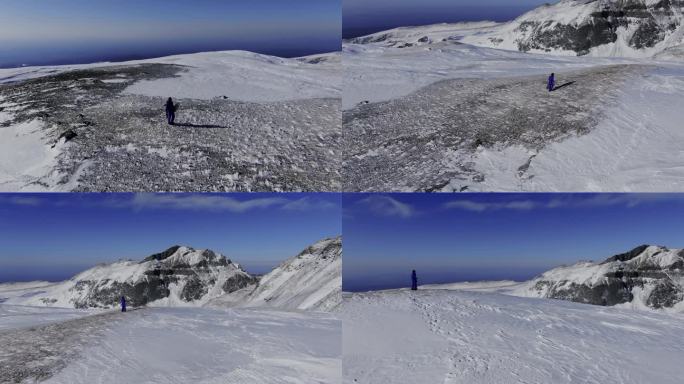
{"type": "Point", "coordinates": [239, 75]}
{"type": "Point", "coordinates": [172, 345]}
{"type": "Point", "coordinates": [439, 336]}
{"type": "Point", "coordinates": [627, 124]}
{"type": "Point", "coordinates": [312, 280]}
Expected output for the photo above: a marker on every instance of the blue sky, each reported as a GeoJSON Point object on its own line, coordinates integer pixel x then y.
{"type": "Point", "coordinates": [53, 236]}
{"type": "Point", "coordinates": [495, 236]}
{"type": "Point", "coordinates": [63, 30]}
{"type": "Point", "coordinates": [361, 17]}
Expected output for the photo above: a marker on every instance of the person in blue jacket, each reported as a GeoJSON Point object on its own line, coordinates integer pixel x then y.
{"type": "Point", "coordinates": [552, 82]}
{"type": "Point", "coordinates": [171, 111]}
{"type": "Point", "coordinates": [123, 304]}
{"type": "Point", "coordinates": [414, 281]}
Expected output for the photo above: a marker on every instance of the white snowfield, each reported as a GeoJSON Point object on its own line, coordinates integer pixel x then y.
{"type": "Point", "coordinates": [199, 345]}
{"type": "Point", "coordinates": [173, 345]}
{"type": "Point", "coordinates": [238, 75]}
{"type": "Point", "coordinates": [445, 336]}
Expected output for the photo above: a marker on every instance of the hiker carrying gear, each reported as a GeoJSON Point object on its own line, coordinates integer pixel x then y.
{"type": "Point", "coordinates": [552, 82]}
{"type": "Point", "coordinates": [414, 281]}
{"type": "Point", "coordinates": [171, 111]}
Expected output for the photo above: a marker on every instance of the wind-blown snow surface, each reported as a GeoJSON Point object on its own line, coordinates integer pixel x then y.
{"type": "Point", "coordinates": [246, 122]}
{"type": "Point", "coordinates": [438, 336]}
{"type": "Point", "coordinates": [311, 280]}
{"type": "Point", "coordinates": [175, 345]}
{"type": "Point", "coordinates": [447, 116]}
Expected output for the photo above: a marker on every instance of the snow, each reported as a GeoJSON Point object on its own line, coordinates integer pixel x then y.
{"type": "Point", "coordinates": [211, 346]}
{"type": "Point", "coordinates": [441, 336]}
{"type": "Point", "coordinates": [169, 345]}
{"type": "Point", "coordinates": [311, 280]}
{"type": "Point", "coordinates": [26, 160]}
{"type": "Point", "coordinates": [373, 72]}
{"type": "Point", "coordinates": [635, 147]}
{"type": "Point", "coordinates": [19, 316]}
{"type": "Point", "coordinates": [239, 75]}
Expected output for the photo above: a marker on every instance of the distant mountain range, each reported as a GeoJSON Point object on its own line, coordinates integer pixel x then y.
{"type": "Point", "coordinates": [184, 276]}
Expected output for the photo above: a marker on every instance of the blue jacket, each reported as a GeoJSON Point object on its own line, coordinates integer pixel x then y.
{"type": "Point", "coordinates": [552, 83]}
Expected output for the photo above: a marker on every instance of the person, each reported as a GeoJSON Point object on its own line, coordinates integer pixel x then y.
{"type": "Point", "coordinates": [414, 281]}
{"type": "Point", "coordinates": [552, 82]}
{"type": "Point", "coordinates": [123, 304]}
{"type": "Point", "coordinates": [170, 111]}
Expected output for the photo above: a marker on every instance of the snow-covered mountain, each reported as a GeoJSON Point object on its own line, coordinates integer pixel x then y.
{"type": "Point", "coordinates": [176, 276]}
{"type": "Point", "coordinates": [598, 27]}
{"type": "Point", "coordinates": [312, 280]}
{"type": "Point", "coordinates": [183, 276]}
{"type": "Point", "coordinates": [646, 277]}
{"type": "Point", "coordinates": [618, 28]}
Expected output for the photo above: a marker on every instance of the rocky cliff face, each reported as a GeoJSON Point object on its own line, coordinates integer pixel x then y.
{"type": "Point", "coordinates": [646, 276]}
{"type": "Point", "coordinates": [176, 276]}
{"type": "Point", "coordinates": [601, 27]}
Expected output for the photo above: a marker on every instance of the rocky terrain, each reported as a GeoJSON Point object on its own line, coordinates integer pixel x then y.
{"type": "Point", "coordinates": [426, 141]}
{"type": "Point", "coordinates": [105, 138]}
{"type": "Point", "coordinates": [645, 277]}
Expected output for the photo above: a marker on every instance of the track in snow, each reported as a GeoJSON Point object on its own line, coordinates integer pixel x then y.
{"type": "Point", "coordinates": [425, 141]}
{"type": "Point", "coordinates": [440, 336]}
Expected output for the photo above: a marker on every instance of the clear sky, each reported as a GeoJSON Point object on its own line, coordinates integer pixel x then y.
{"type": "Point", "coordinates": [54, 236]}
{"type": "Point", "coordinates": [469, 237]}
{"type": "Point", "coordinates": [362, 17]}
{"type": "Point", "coordinates": [60, 31]}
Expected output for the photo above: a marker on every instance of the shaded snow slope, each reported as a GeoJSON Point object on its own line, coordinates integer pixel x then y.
{"type": "Point", "coordinates": [312, 280]}
{"type": "Point", "coordinates": [438, 336]}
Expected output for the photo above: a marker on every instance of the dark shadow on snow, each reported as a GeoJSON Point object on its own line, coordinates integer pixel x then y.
{"type": "Point", "coordinates": [564, 85]}
{"type": "Point", "coordinates": [188, 125]}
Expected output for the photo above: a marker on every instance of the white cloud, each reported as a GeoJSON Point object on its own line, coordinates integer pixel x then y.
{"type": "Point", "coordinates": [627, 200]}
{"type": "Point", "coordinates": [387, 206]}
{"type": "Point", "coordinates": [477, 206]}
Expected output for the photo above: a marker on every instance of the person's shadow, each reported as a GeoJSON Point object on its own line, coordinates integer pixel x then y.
{"type": "Point", "coordinates": [188, 125]}
{"type": "Point", "coordinates": [563, 85]}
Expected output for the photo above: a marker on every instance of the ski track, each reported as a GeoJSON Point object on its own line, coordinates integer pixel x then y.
{"type": "Point", "coordinates": [427, 141]}
{"type": "Point", "coordinates": [492, 338]}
